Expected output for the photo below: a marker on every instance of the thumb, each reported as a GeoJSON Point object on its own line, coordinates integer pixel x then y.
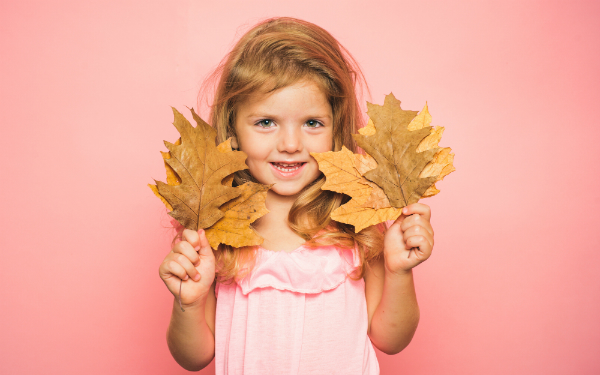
{"type": "Point", "coordinates": [399, 220]}
{"type": "Point", "coordinates": [205, 249]}
{"type": "Point", "coordinates": [405, 213]}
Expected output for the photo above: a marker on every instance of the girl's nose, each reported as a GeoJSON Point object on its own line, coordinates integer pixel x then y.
{"type": "Point", "coordinates": [290, 141]}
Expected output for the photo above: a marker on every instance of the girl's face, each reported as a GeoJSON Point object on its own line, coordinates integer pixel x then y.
{"type": "Point", "coordinates": [279, 130]}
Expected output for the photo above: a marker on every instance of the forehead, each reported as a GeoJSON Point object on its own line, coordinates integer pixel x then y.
{"type": "Point", "coordinates": [301, 96]}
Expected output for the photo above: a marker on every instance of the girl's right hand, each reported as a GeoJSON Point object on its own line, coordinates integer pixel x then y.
{"type": "Point", "coordinates": [191, 260]}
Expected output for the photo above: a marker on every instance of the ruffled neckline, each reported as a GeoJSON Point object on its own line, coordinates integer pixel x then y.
{"type": "Point", "coordinates": [302, 270]}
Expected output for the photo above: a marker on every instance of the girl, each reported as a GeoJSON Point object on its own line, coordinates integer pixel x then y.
{"type": "Point", "coordinates": [314, 297]}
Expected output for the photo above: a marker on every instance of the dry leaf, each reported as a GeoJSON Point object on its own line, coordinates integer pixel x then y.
{"type": "Point", "coordinates": [342, 174]}
{"type": "Point", "coordinates": [354, 213]}
{"type": "Point", "coordinates": [442, 163]}
{"type": "Point", "coordinates": [394, 147]}
{"type": "Point", "coordinates": [234, 228]}
{"type": "Point", "coordinates": [409, 161]}
{"type": "Point", "coordinates": [199, 189]}
{"type": "Point", "coordinates": [343, 170]}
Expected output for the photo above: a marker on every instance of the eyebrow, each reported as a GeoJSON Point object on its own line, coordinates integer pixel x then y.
{"type": "Point", "coordinates": [266, 115]}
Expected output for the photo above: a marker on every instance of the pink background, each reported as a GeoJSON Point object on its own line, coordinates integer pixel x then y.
{"type": "Point", "coordinates": [513, 286]}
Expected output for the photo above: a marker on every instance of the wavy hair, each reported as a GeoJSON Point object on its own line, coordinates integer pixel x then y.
{"type": "Point", "coordinates": [277, 53]}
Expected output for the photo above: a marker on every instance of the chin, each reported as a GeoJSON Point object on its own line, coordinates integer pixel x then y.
{"type": "Point", "coordinates": [282, 190]}
{"type": "Point", "coordinates": [285, 192]}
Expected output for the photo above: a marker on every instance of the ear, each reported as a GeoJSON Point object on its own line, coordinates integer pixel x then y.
{"type": "Point", "coordinates": [234, 143]}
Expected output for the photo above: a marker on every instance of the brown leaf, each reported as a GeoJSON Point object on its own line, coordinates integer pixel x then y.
{"type": "Point", "coordinates": [234, 228]}
{"type": "Point", "coordinates": [422, 161]}
{"type": "Point", "coordinates": [200, 168]}
{"type": "Point", "coordinates": [364, 163]}
{"type": "Point", "coordinates": [394, 147]}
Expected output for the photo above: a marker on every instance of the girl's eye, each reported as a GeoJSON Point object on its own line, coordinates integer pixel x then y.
{"type": "Point", "coordinates": [313, 124]}
{"type": "Point", "coordinates": [266, 123]}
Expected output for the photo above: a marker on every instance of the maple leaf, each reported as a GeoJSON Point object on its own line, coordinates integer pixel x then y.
{"type": "Point", "coordinates": [394, 132]}
{"type": "Point", "coordinates": [394, 147]}
{"type": "Point", "coordinates": [198, 174]}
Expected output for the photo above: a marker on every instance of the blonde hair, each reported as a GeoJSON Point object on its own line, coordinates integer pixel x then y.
{"type": "Point", "coordinates": [276, 53]}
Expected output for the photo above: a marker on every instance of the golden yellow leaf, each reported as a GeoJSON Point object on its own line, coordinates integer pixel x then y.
{"type": "Point", "coordinates": [367, 130]}
{"type": "Point", "coordinates": [342, 175]}
{"type": "Point", "coordinates": [421, 120]}
{"type": "Point", "coordinates": [440, 166]}
{"type": "Point", "coordinates": [364, 163]}
{"type": "Point", "coordinates": [234, 228]}
{"type": "Point", "coordinates": [377, 199]}
{"type": "Point", "coordinates": [361, 217]}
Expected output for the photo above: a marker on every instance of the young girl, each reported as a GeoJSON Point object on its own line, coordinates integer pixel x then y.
{"type": "Point", "coordinates": [315, 297]}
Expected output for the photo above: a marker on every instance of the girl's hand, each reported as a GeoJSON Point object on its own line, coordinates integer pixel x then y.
{"type": "Point", "coordinates": [409, 241]}
{"type": "Point", "coordinates": [191, 260]}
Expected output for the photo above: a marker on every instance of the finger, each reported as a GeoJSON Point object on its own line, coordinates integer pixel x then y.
{"type": "Point", "coordinates": [420, 242]}
{"type": "Point", "coordinates": [205, 249]}
{"type": "Point", "coordinates": [417, 208]}
{"type": "Point", "coordinates": [416, 220]}
{"type": "Point", "coordinates": [415, 230]}
{"type": "Point", "coordinates": [398, 222]}
{"type": "Point", "coordinates": [187, 265]}
{"type": "Point", "coordinates": [191, 236]}
{"type": "Point", "coordinates": [420, 233]}
{"type": "Point", "coordinates": [186, 249]}
{"type": "Point", "coordinates": [175, 269]}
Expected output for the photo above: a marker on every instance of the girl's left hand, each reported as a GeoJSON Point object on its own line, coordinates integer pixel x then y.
{"type": "Point", "coordinates": [409, 241]}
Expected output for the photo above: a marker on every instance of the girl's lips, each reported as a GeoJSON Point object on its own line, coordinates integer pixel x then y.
{"type": "Point", "coordinates": [287, 169]}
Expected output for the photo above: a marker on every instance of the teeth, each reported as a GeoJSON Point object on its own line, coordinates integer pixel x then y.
{"type": "Point", "coordinates": [287, 167]}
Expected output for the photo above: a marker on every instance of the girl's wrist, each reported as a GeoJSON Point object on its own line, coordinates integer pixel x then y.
{"type": "Point", "coordinates": [397, 273]}
{"type": "Point", "coordinates": [199, 305]}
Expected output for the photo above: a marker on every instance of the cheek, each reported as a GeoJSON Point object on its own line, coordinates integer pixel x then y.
{"type": "Point", "coordinates": [323, 143]}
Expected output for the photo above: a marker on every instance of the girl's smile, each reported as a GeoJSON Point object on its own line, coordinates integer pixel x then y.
{"type": "Point", "coordinates": [279, 130]}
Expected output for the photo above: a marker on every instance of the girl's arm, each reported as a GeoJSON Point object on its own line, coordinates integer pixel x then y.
{"type": "Point", "coordinates": [389, 288]}
{"type": "Point", "coordinates": [189, 269]}
{"type": "Point", "coordinates": [191, 333]}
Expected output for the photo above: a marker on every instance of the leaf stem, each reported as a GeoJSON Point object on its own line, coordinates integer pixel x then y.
{"type": "Point", "coordinates": [179, 296]}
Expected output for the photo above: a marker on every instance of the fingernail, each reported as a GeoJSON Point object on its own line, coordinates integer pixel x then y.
{"type": "Point", "coordinates": [197, 263]}
{"type": "Point", "coordinates": [197, 277]}
{"type": "Point", "coordinates": [186, 277]}
{"type": "Point", "coordinates": [405, 210]}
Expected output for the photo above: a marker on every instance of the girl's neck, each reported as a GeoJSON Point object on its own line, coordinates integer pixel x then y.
{"type": "Point", "coordinates": [274, 228]}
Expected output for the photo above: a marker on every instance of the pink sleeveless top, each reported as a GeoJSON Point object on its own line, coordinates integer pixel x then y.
{"type": "Point", "coordinates": [295, 313]}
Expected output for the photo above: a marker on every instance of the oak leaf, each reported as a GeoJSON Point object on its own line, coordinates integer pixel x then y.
{"type": "Point", "coordinates": [342, 173]}
{"type": "Point", "coordinates": [234, 228]}
{"type": "Point", "coordinates": [199, 192]}
{"type": "Point", "coordinates": [407, 161]}
{"type": "Point", "coordinates": [360, 217]}
{"type": "Point", "coordinates": [343, 170]}
{"type": "Point", "coordinates": [394, 147]}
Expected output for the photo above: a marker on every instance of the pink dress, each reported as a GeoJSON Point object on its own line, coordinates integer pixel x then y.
{"type": "Point", "coordinates": [295, 313]}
